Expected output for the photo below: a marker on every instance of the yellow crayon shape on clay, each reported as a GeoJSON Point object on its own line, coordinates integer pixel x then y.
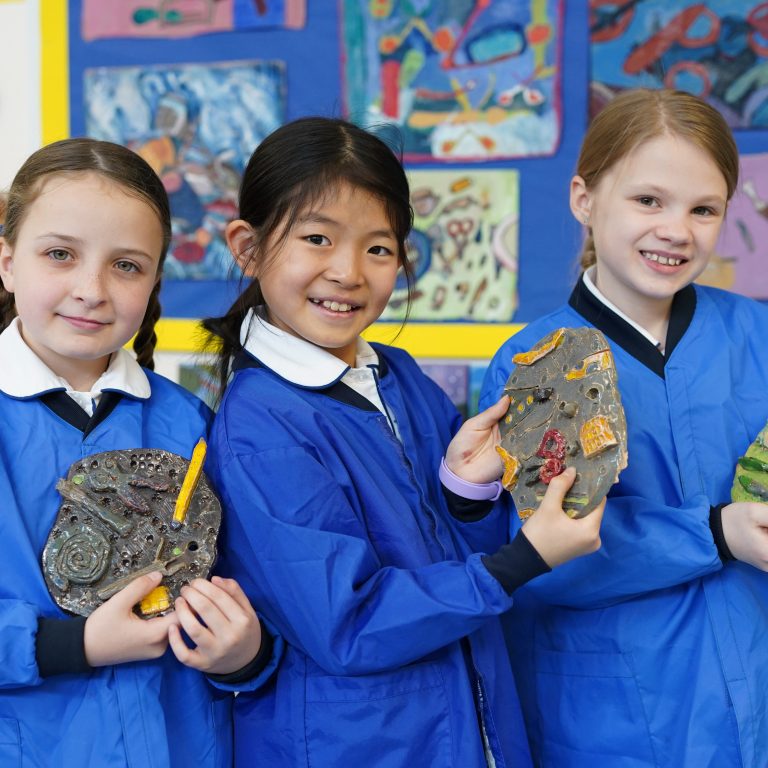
{"type": "Point", "coordinates": [191, 479]}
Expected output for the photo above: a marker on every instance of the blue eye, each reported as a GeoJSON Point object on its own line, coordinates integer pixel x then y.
{"type": "Point", "coordinates": [126, 266]}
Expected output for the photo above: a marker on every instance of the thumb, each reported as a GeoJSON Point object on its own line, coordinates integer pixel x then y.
{"type": "Point", "coordinates": [133, 592]}
{"type": "Point", "coordinates": [559, 487]}
{"type": "Point", "coordinates": [487, 418]}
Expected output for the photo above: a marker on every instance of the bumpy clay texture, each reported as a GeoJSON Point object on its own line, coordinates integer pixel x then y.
{"type": "Point", "coordinates": [565, 410]}
{"type": "Point", "coordinates": [116, 523]}
{"type": "Point", "coordinates": [750, 482]}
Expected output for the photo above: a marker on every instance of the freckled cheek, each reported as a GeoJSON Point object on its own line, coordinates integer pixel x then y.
{"type": "Point", "coordinates": [133, 305]}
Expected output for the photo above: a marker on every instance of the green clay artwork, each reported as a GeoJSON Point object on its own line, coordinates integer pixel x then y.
{"type": "Point", "coordinates": [750, 482]}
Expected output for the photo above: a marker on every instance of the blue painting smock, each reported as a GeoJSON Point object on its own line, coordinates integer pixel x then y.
{"type": "Point", "coordinates": [652, 651]}
{"type": "Point", "coordinates": [339, 533]}
{"type": "Point", "coordinates": [149, 714]}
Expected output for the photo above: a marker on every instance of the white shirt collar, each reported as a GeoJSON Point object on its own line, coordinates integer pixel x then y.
{"type": "Point", "coordinates": [295, 359]}
{"type": "Point", "coordinates": [593, 289]}
{"type": "Point", "coordinates": [23, 374]}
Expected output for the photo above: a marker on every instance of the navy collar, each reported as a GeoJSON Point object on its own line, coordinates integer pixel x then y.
{"type": "Point", "coordinates": [630, 339]}
{"type": "Point", "coordinates": [67, 409]}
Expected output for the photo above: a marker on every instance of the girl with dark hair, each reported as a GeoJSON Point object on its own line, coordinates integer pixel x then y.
{"type": "Point", "coordinates": [652, 651]}
{"type": "Point", "coordinates": [86, 230]}
{"type": "Point", "coordinates": [326, 451]}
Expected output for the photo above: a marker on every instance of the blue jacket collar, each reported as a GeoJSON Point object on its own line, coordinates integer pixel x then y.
{"type": "Point", "coordinates": [630, 339]}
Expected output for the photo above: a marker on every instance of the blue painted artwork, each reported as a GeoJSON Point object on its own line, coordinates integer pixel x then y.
{"type": "Point", "coordinates": [196, 125]}
{"type": "Point", "coordinates": [717, 50]}
{"type": "Point", "coordinates": [461, 80]}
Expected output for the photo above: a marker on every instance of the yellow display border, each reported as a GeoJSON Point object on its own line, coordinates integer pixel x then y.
{"type": "Point", "coordinates": [423, 340]}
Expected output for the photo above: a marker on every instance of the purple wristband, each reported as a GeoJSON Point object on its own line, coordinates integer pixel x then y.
{"type": "Point", "coordinates": [467, 490]}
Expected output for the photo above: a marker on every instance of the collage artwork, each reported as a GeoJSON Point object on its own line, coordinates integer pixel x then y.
{"type": "Point", "coordinates": [460, 84]}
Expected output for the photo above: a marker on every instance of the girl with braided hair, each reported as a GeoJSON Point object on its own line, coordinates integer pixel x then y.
{"type": "Point", "coordinates": [86, 231]}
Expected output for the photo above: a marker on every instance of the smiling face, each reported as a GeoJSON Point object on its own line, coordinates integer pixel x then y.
{"type": "Point", "coordinates": [81, 270]}
{"type": "Point", "coordinates": [655, 218]}
{"type": "Point", "coordinates": [333, 274]}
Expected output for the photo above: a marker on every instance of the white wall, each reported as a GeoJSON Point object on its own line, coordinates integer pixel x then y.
{"type": "Point", "coordinates": [20, 121]}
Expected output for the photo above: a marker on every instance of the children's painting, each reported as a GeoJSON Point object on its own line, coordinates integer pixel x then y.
{"type": "Point", "coordinates": [462, 383]}
{"type": "Point", "coordinates": [453, 379]}
{"type": "Point", "coordinates": [462, 80]}
{"type": "Point", "coordinates": [740, 262]}
{"type": "Point", "coordinates": [717, 50]}
{"type": "Point", "coordinates": [463, 247]}
{"type": "Point", "coordinates": [476, 377]}
{"type": "Point", "coordinates": [185, 18]}
{"type": "Point", "coordinates": [196, 125]}
{"type": "Point", "coordinates": [201, 379]}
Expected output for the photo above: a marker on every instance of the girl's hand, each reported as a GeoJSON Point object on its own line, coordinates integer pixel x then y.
{"type": "Point", "coordinates": [557, 537]}
{"type": "Point", "coordinates": [745, 528]}
{"type": "Point", "coordinates": [472, 453]}
{"type": "Point", "coordinates": [220, 621]}
{"type": "Point", "coordinates": [115, 634]}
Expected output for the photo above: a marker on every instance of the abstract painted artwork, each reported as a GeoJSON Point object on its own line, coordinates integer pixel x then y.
{"type": "Point", "coordinates": [201, 379]}
{"type": "Point", "coordinates": [740, 261]}
{"type": "Point", "coordinates": [461, 80]}
{"type": "Point", "coordinates": [463, 247]}
{"type": "Point", "coordinates": [196, 125]}
{"type": "Point", "coordinates": [185, 18]}
{"type": "Point", "coordinates": [462, 383]}
{"type": "Point", "coordinates": [717, 50]}
{"type": "Point", "coordinates": [453, 379]}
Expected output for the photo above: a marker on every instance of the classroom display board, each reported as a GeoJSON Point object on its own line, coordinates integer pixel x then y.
{"type": "Point", "coordinates": [487, 102]}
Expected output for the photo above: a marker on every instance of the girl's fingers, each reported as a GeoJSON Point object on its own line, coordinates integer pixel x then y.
{"type": "Point", "coordinates": [135, 590]}
{"type": "Point", "coordinates": [235, 591]}
{"type": "Point", "coordinates": [217, 596]}
{"type": "Point", "coordinates": [198, 615]}
{"type": "Point", "coordinates": [186, 655]}
{"type": "Point", "coordinates": [490, 416]}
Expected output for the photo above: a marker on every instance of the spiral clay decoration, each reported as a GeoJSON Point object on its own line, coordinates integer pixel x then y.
{"type": "Point", "coordinates": [118, 520]}
{"type": "Point", "coordinates": [81, 558]}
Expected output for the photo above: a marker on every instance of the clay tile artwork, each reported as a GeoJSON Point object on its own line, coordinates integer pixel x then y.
{"type": "Point", "coordinates": [565, 410]}
{"type": "Point", "coordinates": [125, 513]}
{"type": "Point", "coordinates": [750, 482]}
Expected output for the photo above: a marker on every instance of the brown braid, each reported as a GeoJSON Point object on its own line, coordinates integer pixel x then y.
{"type": "Point", "coordinates": [7, 302]}
{"type": "Point", "coordinates": [7, 308]}
{"type": "Point", "coordinates": [146, 339]}
{"type": "Point", "coordinates": [588, 254]}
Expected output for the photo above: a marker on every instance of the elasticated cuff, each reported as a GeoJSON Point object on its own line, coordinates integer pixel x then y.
{"type": "Point", "coordinates": [515, 563]}
{"type": "Point", "coordinates": [60, 647]}
{"type": "Point", "coordinates": [254, 667]}
{"type": "Point", "coordinates": [716, 526]}
{"type": "Point", "coordinates": [466, 510]}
